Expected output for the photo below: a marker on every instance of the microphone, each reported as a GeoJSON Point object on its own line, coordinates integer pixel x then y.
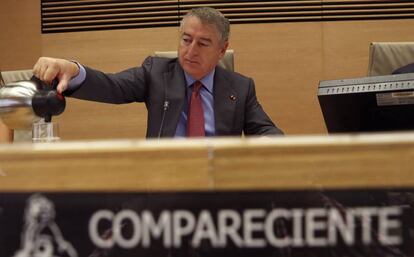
{"type": "Point", "coordinates": [165, 108]}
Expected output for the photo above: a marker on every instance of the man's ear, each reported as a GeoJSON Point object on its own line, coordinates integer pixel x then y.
{"type": "Point", "coordinates": [224, 48]}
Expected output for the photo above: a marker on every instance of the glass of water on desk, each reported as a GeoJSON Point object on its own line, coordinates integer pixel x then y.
{"type": "Point", "coordinates": [45, 132]}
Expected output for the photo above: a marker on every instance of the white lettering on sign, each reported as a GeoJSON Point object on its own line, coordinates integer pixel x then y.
{"type": "Point", "coordinates": [249, 228]}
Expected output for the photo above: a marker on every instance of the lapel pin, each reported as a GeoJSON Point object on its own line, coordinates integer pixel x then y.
{"type": "Point", "coordinates": [233, 97]}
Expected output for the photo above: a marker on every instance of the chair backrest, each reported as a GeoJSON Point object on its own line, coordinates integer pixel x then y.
{"type": "Point", "coordinates": [226, 62]}
{"type": "Point", "coordinates": [386, 57]}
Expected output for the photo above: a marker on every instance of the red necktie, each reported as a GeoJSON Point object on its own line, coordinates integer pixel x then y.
{"type": "Point", "coordinates": [195, 117]}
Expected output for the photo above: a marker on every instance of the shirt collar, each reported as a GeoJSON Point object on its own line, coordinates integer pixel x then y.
{"type": "Point", "coordinates": [207, 80]}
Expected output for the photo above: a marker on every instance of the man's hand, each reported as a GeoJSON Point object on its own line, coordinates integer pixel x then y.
{"type": "Point", "coordinates": [47, 69]}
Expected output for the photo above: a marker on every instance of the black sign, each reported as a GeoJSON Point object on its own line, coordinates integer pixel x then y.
{"type": "Point", "coordinates": [217, 224]}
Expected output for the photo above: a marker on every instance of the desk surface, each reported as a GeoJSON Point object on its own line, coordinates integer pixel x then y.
{"type": "Point", "coordinates": [281, 163]}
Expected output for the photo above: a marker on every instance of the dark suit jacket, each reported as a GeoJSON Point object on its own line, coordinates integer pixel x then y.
{"type": "Point", "coordinates": [409, 68]}
{"type": "Point", "coordinates": [236, 108]}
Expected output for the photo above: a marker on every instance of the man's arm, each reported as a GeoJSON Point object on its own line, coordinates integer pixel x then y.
{"type": "Point", "coordinates": [257, 122]}
{"type": "Point", "coordinates": [89, 84]}
{"type": "Point", "coordinates": [405, 69]}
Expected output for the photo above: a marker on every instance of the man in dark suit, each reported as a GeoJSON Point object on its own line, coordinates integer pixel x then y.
{"type": "Point", "coordinates": [228, 99]}
{"type": "Point", "coordinates": [409, 68]}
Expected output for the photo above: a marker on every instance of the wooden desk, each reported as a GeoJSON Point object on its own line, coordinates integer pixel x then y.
{"type": "Point", "coordinates": [303, 162]}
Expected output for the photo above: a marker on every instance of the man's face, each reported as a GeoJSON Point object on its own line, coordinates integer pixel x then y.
{"type": "Point", "coordinates": [200, 49]}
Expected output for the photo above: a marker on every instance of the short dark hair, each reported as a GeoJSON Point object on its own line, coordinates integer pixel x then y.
{"type": "Point", "coordinates": [213, 17]}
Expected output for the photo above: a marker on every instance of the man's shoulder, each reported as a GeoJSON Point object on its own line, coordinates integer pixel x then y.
{"type": "Point", "coordinates": [232, 74]}
{"type": "Point", "coordinates": [405, 69]}
{"type": "Point", "coordinates": [159, 61]}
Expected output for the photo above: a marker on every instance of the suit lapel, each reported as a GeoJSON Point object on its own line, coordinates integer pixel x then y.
{"type": "Point", "coordinates": [175, 92]}
{"type": "Point", "coordinates": [225, 99]}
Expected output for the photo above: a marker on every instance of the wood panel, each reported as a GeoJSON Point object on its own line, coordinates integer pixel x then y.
{"type": "Point", "coordinates": [285, 61]}
{"type": "Point", "coordinates": [60, 16]}
{"type": "Point", "coordinates": [71, 16]}
{"type": "Point", "coordinates": [20, 34]}
{"type": "Point", "coordinates": [104, 165]}
{"type": "Point", "coordinates": [346, 44]}
{"type": "Point", "coordinates": [282, 163]}
{"type": "Point", "coordinates": [317, 162]}
{"type": "Point", "coordinates": [6, 135]}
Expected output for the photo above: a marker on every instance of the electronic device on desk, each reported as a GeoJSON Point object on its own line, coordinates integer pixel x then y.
{"type": "Point", "coordinates": [368, 104]}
